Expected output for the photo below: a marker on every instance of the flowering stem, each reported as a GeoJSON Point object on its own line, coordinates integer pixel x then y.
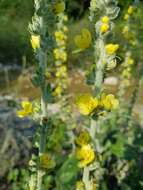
{"type": "Point", "coordinates": [98, 83]}
{"type": "Point", "coordinates": [41, 31]}
{"type": "Point", "coordinates": [86, 172]}
{"type": "Point", "coordinates": [102, 26]}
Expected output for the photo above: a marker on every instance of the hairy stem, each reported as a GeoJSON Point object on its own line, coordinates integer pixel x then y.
{"type": "Point", "coordinates": [100, 66]}
{"type": "Point", "coordinates": [86, 179]}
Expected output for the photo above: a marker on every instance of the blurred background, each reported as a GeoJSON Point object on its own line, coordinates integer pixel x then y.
{"type": "Point", "coordinates": [16, 63]}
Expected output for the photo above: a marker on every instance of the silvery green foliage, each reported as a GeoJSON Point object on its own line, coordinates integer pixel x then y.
{"type": "Point", "coordinates": [43, 22]}
{"type": "Point", "coordinates": [37, 5]}
{"type": "Point", "coordinates": [112, 9]}
{"type": "Point", "coordinates": [43, 25]}
{"type": "Point", "coordinates": [34, 27]}
{"type": "Point", "coordinates": [104, 7]}
{"type": "Point", "coordinates": [98, 10]}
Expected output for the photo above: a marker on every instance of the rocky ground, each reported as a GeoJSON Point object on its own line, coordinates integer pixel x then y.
{"type": "Point", "coordinates": [15, 136]}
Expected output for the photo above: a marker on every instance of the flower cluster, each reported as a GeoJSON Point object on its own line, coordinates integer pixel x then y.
{"type": "Point", "coordinates": [60, 55]}
{"type": "Point", "coordinates": [130, 37]}
{"type": "Point", "coordinates": [105, 24]}
{"type": "Point", "coordinates": [80, 185]}
{"type": "Point", "coordinates": [59, 52]}
{"type": "Point", "coordinates": [130, 11]}
{"type": "Point", "coordinates": [127, 69]}
{"type": "Point", "coordinates": [87, 104]}
{"type": "Point", "coordinates": [61, 80]}
{"type": "Point", "coordinates": [127, 34]}
{"type": "Point", "coordinates": [85, 153]}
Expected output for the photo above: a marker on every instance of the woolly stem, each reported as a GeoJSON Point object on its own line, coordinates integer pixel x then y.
{"type": "Point", "coordinates": [86, 179]}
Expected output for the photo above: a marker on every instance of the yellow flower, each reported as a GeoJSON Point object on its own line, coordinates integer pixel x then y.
{"type": "Point", "coordinates": [111, 48]}
{"type": "Point", "coordinates": [59, 35]}
{"type": "Point", "coordinates": [104, 27]}
{"type": "Point", "coordinates": [79, 185]}
{"type": "Point", "coordinates": [61, 72]}
{"type": "Point", "coordinates": [35, 41]}
{"type": "Point", "coordinates": [130, 10]}
{"type": "Point", "coordinates": [126, 17]}
{"type": "Point", "coordinates": [27, 109]}
{"type": "Point", "coordinates": [65, 29]}
{"type": "Point", "coordinates": [83, 40]}
{"type": "Point", "coordinates": [85, 155]}
{"type": "Point", "coordinates": [57, 91]}
{"type": "Point", "coordinates": [130, 61]}
{"type": "Point", "coordinates": [56, 53]}
{"type": "Point", "coordinates": [105, 19]}
{"type": "Point", "coordinates": [125, 30]}
{"type": "Point", "coordinates": [126, 74]}
{"type": "Point", "coordinates": [65, 18]}
{"type": "Point", "coordinates": [94, 186]}
{"type": "Point", "coordinates": [60, 55]}
{"type": "Point", "coordinates": [59, 7]}
{"type": "Point", "coordinates": [83, 138]}
{"type": "Point", "coordinates": [109, 102]}
{"type": "Point", "coordinates": [64, 56]}
{"type": "Point", "coordinates": [86, 104]}
{"type": "Point", "coordinates": [48, 74]}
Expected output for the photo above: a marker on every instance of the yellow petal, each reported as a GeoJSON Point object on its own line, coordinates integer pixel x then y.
{"type": "Point", "coordinates": [105, 19]}
{"type": "Point", "coordinates": [115, 104]}
{"type": "Point", "coordinates": [21, 113]}
{"type": "Point", "coordinates": [111, 48]}
{"type": "Point", "coordinates": [83, 40]}
{"type": "Point", "coordinates": [25, 104]}
{"type": "Point", "coordinates": [86, 155]}
{"type": "Point", "coordinates": [104, 28]}
{"type": "Point", "coordinates": [126, 17]}
{"type": "Point", "coordinates": [83, 138]}
{"type": "Point", "coordinates": [130, 10]}
{"type": "Point", "coordinates": [86, 104]}
{"type": "Point", "coordinates": [35, 41]}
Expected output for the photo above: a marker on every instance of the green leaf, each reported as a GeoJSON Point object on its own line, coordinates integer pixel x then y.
{"type": "Point", "coordinates": [57, 137]}
{"type": "Point", "coordinates": [118, 148]}
{"type": "Point", "coordinates": [37, 79]}
{"type": "Point", "coordinates": [47, 94]}
{"type": "Point", "coordinates": [67, 175]}
{"type": "Point", "coordinates": [90, 77]}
